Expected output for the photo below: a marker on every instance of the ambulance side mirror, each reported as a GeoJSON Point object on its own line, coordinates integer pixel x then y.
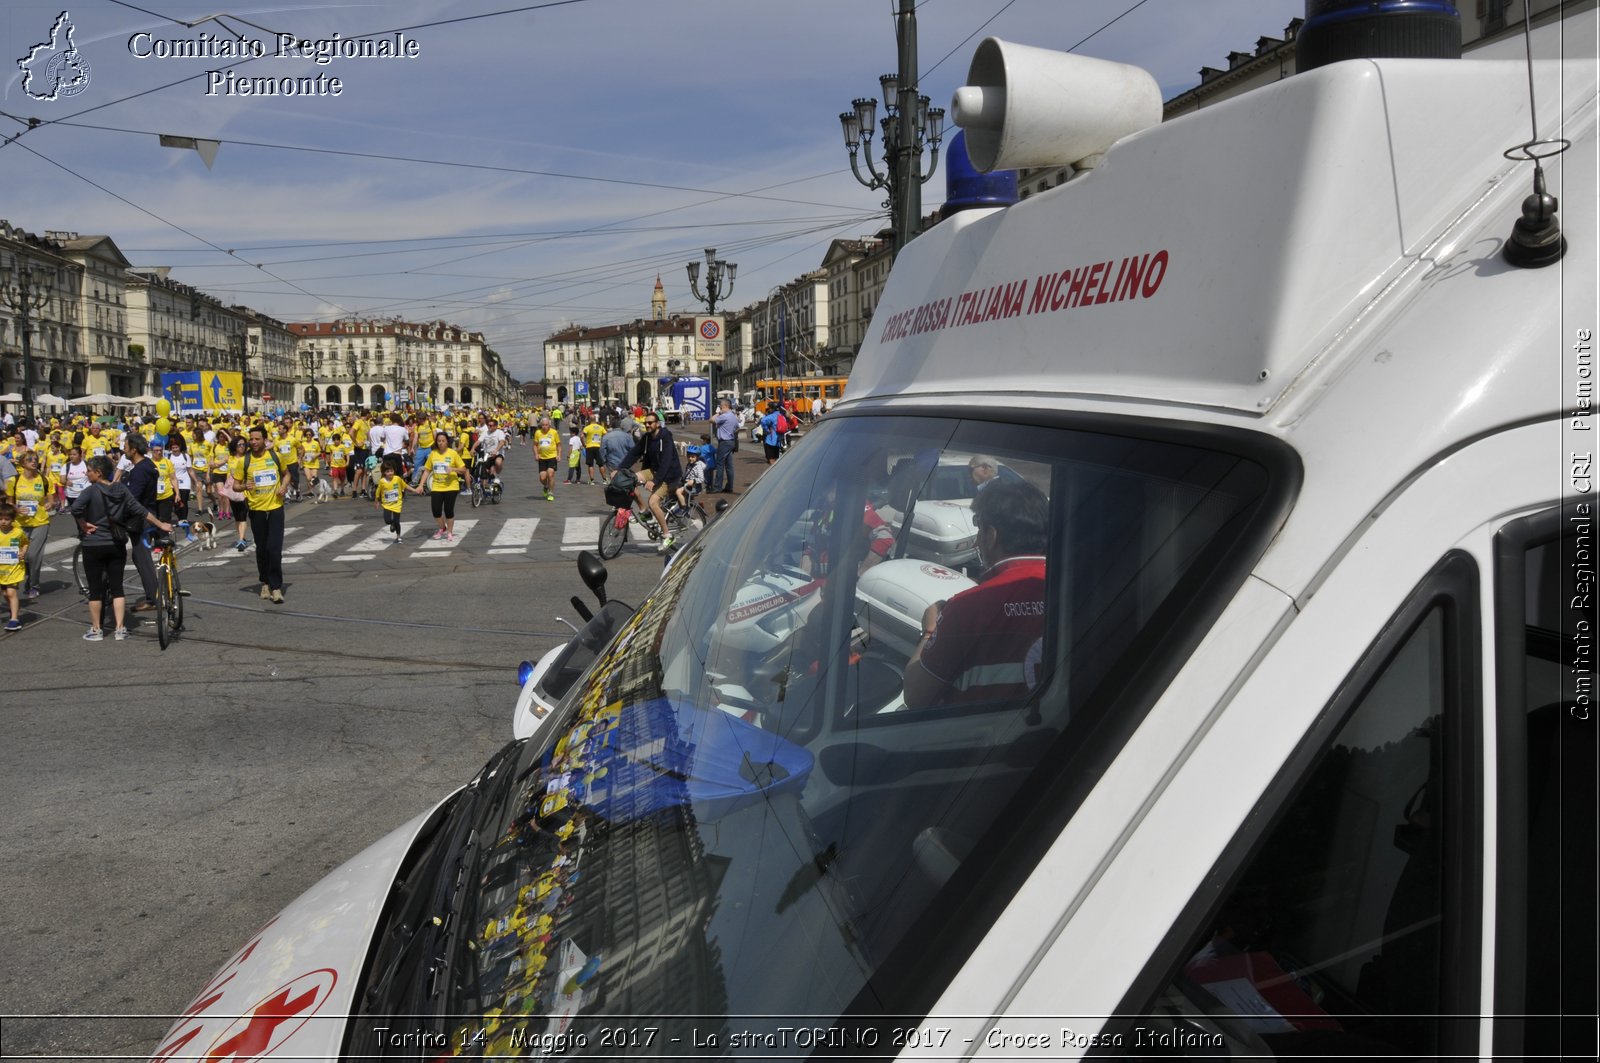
{"type": "Point", "coordinates": [592, 571]}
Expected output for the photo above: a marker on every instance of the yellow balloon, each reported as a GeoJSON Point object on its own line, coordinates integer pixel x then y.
{"type": "Point", "coordinates": [164, 407]}
{"type": "Point", "coordinates": [163, 426]}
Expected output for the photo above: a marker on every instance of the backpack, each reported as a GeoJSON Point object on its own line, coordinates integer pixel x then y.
{"type": "Point", "coordinates": [782, 425]}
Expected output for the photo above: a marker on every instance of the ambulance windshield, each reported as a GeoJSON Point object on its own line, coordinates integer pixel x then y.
{"type": "Point", "coordinates": [779, 788]}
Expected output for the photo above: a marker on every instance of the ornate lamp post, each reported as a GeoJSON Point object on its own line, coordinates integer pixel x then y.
{"type": "Point", "coordinates": [308, 361]}
{"type": "Point", "coordinates": [637, 343]}
{"type": "Point", "coordinates": [433, 388]}
{"type": "Point", "coordinates": [909, 124]}
{"type": "Point", "coordinates": [26, 290]}
{"type": "Point", "coordinates": [236, 344]}
{"type": "Point", "coordinates": [716, 271]}
{"type": "Point", "coordinates": [350, 364]}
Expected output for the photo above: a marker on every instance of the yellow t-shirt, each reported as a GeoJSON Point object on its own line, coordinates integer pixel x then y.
{"type": "Point", "coordinates": [94, 446]}
{"type": "Point", "coordinates": [592, 433]}
{"type": "Point", "coordinates": [31, 493]}
{"type": "Point", "coordinates": [260, 478]}
{"type": "Point", "coordinates": [425, 434]}
{"type": "Point", "coordinates": [443, 464]}
{"type": "Point", "coordinates": [311, 454]}
{"type": "Point", "coordinates": [338, 456]}
{"type": "Point", "coordinates": [548, 444]}
{"type": "Point", "coordinates": [391, 493]}
{"type": "Point", "coordinates": [12, 544]}
{"type": "Point", "coordinates": [200, 457]}
{"type": "Point", "coordinates": [166, 479]}
{"type": "Point", "coordinates": [221, 458]}
{"type": "Point", "coordinates": [285, 446]}
{"type": "Point", "coordinates": [56, 464]}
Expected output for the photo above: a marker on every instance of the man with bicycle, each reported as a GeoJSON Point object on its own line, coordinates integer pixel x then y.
{"type": "Point", "coordinates": [657, 453]}
{"type": "Point", "coordinates": [491, 445]}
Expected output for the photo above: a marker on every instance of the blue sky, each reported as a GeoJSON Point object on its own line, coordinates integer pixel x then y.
{"type": "Point", "coordinates": [609, 141]}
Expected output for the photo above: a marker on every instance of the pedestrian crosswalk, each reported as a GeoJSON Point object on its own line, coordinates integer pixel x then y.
{"type": "Point", "coordinates": [349, 543]}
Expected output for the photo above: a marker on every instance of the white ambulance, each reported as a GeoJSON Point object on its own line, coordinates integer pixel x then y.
{"type": "Point", "coordinates": [1263, 724]}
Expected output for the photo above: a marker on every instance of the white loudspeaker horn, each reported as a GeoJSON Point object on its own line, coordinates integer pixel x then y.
{"type": "Point", "coordinates": [1026, 106]}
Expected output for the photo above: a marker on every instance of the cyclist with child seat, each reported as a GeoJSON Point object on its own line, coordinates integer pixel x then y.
{"type": "Point", "coordinates": [656, 452]}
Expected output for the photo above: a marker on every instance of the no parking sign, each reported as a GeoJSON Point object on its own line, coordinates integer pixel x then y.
{"type": "Point", "coordinates": [708, 338]}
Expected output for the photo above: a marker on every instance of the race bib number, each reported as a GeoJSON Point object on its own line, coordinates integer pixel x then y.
{"type": "Point", "coordinates": [27, 507]}
{"type": "Point", "coordinates": [161, 485]}
{"type": "Point", "coordinates": [10, 555]}
{"type": "Point", "coordinates": [265, 478]}
{"type": "Point", "coordinates": [391, 494]}
{"type": "Point", "coordinates": [441, 468]}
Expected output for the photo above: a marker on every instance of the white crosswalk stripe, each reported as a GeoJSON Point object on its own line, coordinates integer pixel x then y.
{"type": "Point", "coordinates": [369, 547]}
{"type": "Point", "coordinates": [438, 547]}
{"type": "Point", "coordinates": [364, 540]}
{"type": "Point", "coordinates": [580, 533]}
{"type": "Point", "coordinates": [514, 536]}
{"type": "Point", "coordinates": [225, 551]}
{"type": "Point", "coordinates": [300, 549]}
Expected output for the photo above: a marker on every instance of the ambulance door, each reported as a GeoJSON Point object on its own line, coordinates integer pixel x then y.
{"type": "Point", "coordinates": [1356, 858]}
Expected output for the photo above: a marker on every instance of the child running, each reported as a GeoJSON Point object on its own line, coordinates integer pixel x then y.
{"type": "Point", "coordinates": [574, 456]}
{"type": "Point", "coordinates": [13, 562]}
{"type": "Point", "coordinates": [392, 490]}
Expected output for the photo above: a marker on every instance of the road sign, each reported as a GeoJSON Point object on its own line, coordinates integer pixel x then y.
{"type": "Point", "coordinates": [580, 388]}
{"type": "Point", "coordinates": [708, 337]}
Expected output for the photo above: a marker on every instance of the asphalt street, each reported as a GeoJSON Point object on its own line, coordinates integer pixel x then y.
{"type": "Point", "coordinates": [160, 806]}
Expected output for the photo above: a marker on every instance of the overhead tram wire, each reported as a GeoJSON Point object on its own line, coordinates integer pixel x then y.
{"type": "Point", "coordinates": [624, 269]}
{"type": "Point", "coordinates": [1125, 13]}
{"type": "Point", "coordinates": [172, 224]}
{"type": "Point", "coordinates": [551, 233]}
{"type": "Point", "coordinates": [457, 164]}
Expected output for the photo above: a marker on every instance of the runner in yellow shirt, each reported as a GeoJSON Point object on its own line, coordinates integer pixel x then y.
{"type": "Point", "coordinates": [311, 460]}
{"type": "Point", "coordinates": [32, 496]}
{"type": "Point", "coordinates": [392, 490]}
{"type": "Point", "coordinates": [591, 444]}
{"type": "Point", "coordinates": [166, 480]}
{"type": "Point", "coordinates": [264, 479]}
{"type": "Point", "coordinates": [338, 462]}
{"type": "Point", "coordinates": [442, 478]}
{"type": "Point", "coordinates": [14, 555]}
{"type": "Point", "coordinates": [547, 450]}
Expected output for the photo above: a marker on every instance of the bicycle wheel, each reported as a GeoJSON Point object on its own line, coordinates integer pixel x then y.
{"type": "Point", "coordinates": [79, 580]}
{"type": "Point", "coordinates": [687, 521]}
{"type": "Point", "coordinates": [612, 535]}
{"type": "Point", "coordinates": [163, 612]}
{"type": "Point", "coordinates": [477, 494]}
{"type": "Point", "coordinates": [176, 608]}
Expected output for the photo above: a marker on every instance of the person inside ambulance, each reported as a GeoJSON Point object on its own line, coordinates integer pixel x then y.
{"type": "Point", "coordinates": [985, 643]}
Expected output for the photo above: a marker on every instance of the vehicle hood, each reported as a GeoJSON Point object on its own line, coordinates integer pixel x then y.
{"type": "Point", "coordinates": [288, 991]}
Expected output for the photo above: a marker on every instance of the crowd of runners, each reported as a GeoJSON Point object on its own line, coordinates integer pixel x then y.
{"type": "Point", "coordinates": [207, 474]}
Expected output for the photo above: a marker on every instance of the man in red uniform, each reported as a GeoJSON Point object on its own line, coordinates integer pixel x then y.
{"type": "Point", "coordinates": [984, 644]}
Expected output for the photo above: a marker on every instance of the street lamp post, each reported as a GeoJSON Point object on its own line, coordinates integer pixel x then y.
{"type": "Point", "coordinates": [237, 342]}
{"type": "Point", "coordinates": [909, 124]}
{"type": "Point", "coordinates": [25, 290]}
{"type": "Point", "coordinates": [637, 344]}
{"type": "Point", "coordinates": [717, 270]}
{"type": "Point", "coordinates": [309, 361]}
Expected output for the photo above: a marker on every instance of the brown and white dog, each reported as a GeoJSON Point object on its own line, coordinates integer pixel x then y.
{"type": "Point", "coordinates": [206, 532]}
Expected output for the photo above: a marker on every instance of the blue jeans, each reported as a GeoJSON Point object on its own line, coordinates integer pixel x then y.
{"type": "Point", "coordinates": [722, 475]}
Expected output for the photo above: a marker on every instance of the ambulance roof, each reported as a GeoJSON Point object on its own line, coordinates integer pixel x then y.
{"type": "Point", "coordinates": [1224, 259]}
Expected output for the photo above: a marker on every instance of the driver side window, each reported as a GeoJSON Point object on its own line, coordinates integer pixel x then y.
{"type": "Point", "coordinates": [1342, 934]}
